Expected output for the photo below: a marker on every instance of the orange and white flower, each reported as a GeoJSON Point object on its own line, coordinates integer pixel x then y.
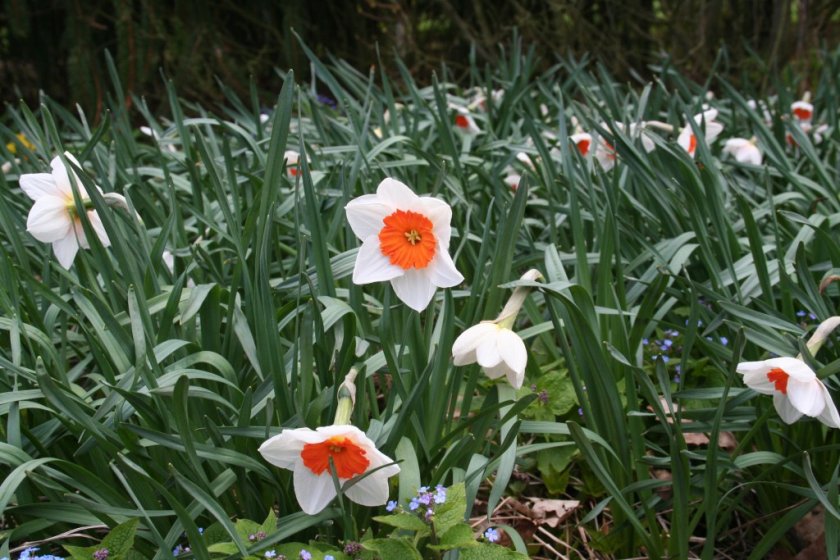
{"type": "Point", "coordinates": [308, 453]}
{"type": "Point", "coordinates": [743, 150]}
{"type": "Point", "coordinates": [795, 388]}
{"type": "Point", "coordinates": [405, 240]}
{"type": "Point", "coordinates": [292, 158]}
{"type": "Point", "coordinates": [583, 141]}
{"type": "Point", "coordinates": [512, 179]}
{"type": "Point", "coordinates": [688, 141]}
{"type": "Point", "coordinates": [465, 122]}
{"type": "Point", "coordinates": [497, 349]}
{"type": "Point", "coordinates": [802, 110]}
{"type": "Point", "coordinates": [53, 217]}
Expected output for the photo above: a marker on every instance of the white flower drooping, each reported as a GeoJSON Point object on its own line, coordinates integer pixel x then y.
{"type": "Point", "coordinates": [493, 344]}
{"type": "Point", "coordinates": [688, 141]}
{"type": "Point", "coordinates": [743, 150]}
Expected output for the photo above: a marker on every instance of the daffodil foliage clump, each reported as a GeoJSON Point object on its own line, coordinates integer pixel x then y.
{"type": "Point", "coordinates": [548, 315]}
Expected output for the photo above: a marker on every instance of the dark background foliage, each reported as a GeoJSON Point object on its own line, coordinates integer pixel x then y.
{"type": "Point", "coordinates": [57, 45]}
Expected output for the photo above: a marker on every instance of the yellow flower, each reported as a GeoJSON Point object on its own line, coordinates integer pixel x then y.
{"type": "Point", "coordinates": [23, 141]}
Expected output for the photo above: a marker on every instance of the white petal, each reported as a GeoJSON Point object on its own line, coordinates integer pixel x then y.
{"type": "Point", "coordinates": [366, 214]}
{"type": "Point", "coordinates": [65, 250]}
{"type": "Point", "coordinates": [512, 350]}
{"type": "Point", "coordinates": [487, 353]}
{"type": "Point", "coordinates": [757, 381]}
{"type": "Point", "coordinates": [829, 415]}
{"type": "Point", "coordinates": [442, 271]}
{"type": "Point", "coordinates": [313, 491]}
{"type": "Point", "coordinates": [785, 409]}
{"type": "Point", "coordinates": [440, 214]}
{"type": "Point", "coordinates": [463, 349]}
{"type": "Point", "coordinates": [499, 370]}
{"type": "Point", "coordinates": [61, 179]}
{"type": "Point", "coordinates": [372, 265]}
{"type": "Point", "coordinates": [283, 450]}
{"type": "Point", "coordinates": [684, 139]}
{"type": "Point", "coordinates": [414, 288]}
{"type": "Point", "coordinates": [49, 220]}
{"type": "Point", "coordinates": [96, 224]}
{"type": "Point", "coordinates": [713, 130]}
{"type": "Point", "coordinates": [36, 185]}
{"type": "Point", "coordinates": [806, 396]}
{"type": "Point", "coordinates": [396, 194]}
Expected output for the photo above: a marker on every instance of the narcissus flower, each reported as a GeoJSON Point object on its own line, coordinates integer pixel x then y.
{"type": "Point", "coordinates": [53, 217]}
{"type": "Point", "coordinates": [405, 240]}
{"type": "Point", "coordinates": [795, 388]}
{"type": "Point", "coordinates": [292, 168]}
{"type": "Point", "coordinates": [497, 349]}
{"type": "Point", "coordinates": [308, 453]}
{"type": "Point", "coordinates": [688, 141]}
{"type": "Point", "coordinates": [583, 141]}
{"type": "Point", "coordinates": [465, 122]}
{"type": "Point", "coordinates": [802, 110]}
{"type": "Point", "coordinates": [743, 150]}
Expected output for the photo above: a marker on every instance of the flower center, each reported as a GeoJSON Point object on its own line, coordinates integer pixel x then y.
{"type": "Point", "coordinates": [461, 121]}
{"type": "Point", "coordinates": [348, 457]}
{"type": "Point", "coordinates": [583, 147]}
{"type": "Point", "coordinates": [802, 114]}
{"type": "Point", "coordinates": [407, 239]}
{"type": "Point", "coordinates": [779, 378]}
{"type": "Point", "coordinates": [692, 144]}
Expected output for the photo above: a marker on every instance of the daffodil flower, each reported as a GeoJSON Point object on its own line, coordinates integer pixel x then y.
{"type": "Point", "coordinates": [292, 163]}
{"type": "Point", "coordinates": [802, 110]}
{"type": "Point", "coordinates": [688, 141]}
{"type": "Point", "coordinates": [743, 150]}
{"type": "Point", "coordinates": [405, 240]}
{"type": "Point", "coordinates": [497, 349]}
{"type": "Point", "coordinates": [464, 122]}
{"type": "Point", "coordinates": [53, 218]}
{"type": "Point", "coordinates": [309, 454]}
{"type": "Point", "coordinates": [493, 345]}
{"type": "Point", "coordinates": [795, 388]}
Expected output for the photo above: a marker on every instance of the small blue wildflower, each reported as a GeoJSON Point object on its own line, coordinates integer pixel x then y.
{"type": "Point", "coordinates": [305, 555]}
{"type": "Point", "coordinates": [677, 379]}
{"type": "Point", "coordinates": [101, 554]}
{"type": "Point", "coordinates": [812, 316]}
{"type": "Point", "coordinates": [800, 313]}
{"type": "Point", "coordinates": [645, 341]}
{"type": "Point", "coordinates": [492, 535]}
{"type": "Point", "coordinates": [27, 553]}
{"type": "Point", "coordinates": [665, 359]}
{"type": "Point", "coordinates": [580, 411]}
{"type": "Point", "coordinates": [201, 530]}
{"type": "Point", "coordinates": [422, 490]}
{"type": "Point", "coordinates": [678, 369]}
{"type": "Point", "coordinates": [270, 554]}
{"type": "Point", "coordinates": [329, 557]}
{"type": "Point", "coordinates": [429, 513]}
{"type": "Point", "coordinates": [674, 332]}
{"type": "Point", "coordinates": [724, 340]}
{"type": "Point", "coordinates": [392, 505]}
{"type": "Point", "coordinates": [326, 100]}
{"type": "Point", "coordinates": [440, 495]}
{"type": "Point", "coordinates": [667, 343]}
{"type": "Point", "coordinates": [413, 504]}
{"type": "Point", "coordinates": [425, 499]}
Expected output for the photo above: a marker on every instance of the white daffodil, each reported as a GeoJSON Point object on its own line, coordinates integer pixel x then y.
{"type": "Point", "coordinates": [743, 150]}
{"type": "Point", "coordinates": [497, 349]}
{"type": "Point", "coordinates": [53, 217]}
{"type": "Point", "coordinates": [308, 454]}
{"type": "Point", "coordinates": [605, 153]}
{"type": "Point", "coordinates": [802, 110]}
{"type": "Point", "coordinates": [688, 141]}
{"type": "Point", "coordinates": [465, 122]}
{"type": "Point", "coordinates": [493, 345]}
{"type": "Point", "coordinates": [795, 388]}
{"type": "Point", "coordinates": [405, 239]}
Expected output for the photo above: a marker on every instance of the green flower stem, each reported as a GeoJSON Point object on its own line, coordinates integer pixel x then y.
{"type": "Point", "coordinates": [508, 315]}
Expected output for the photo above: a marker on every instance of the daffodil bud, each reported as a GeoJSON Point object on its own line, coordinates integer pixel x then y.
{"type": "Point", "coordinates": [821, 334]}
{"type": "Point", "coordinates": [346, 398]}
